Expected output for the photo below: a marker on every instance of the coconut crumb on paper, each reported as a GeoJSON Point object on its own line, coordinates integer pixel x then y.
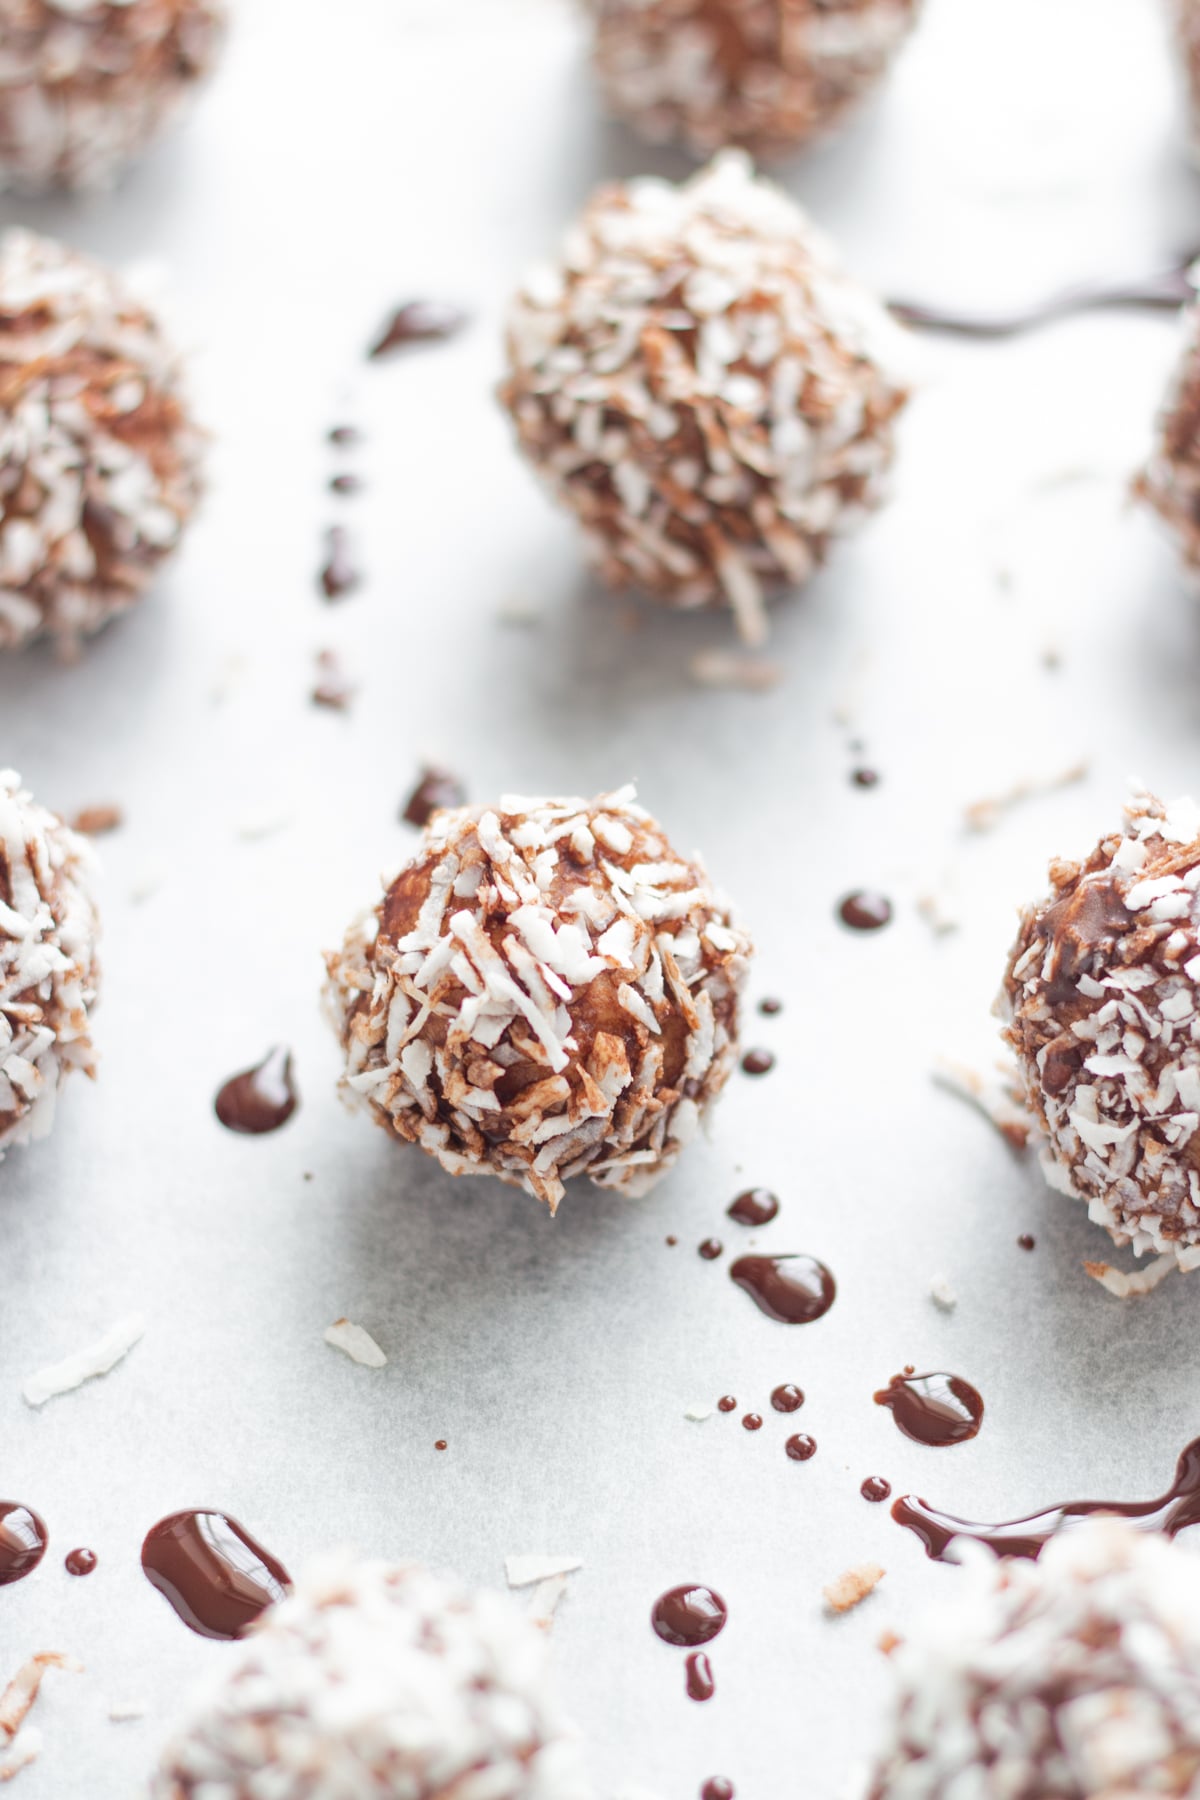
{"type": "Point", "coordinates": [698, 1413]}
{"type": "Point", "coordinates": [993, 1099]}
{"type": "Point", "coordinates": [18, 1748]}
{"type": "Point", "coordinates": [528, 1571]}
{"type": "Point", "coordinates": [92, 820]}
{"type": "Point", "coordinates": [1134, 1285]}
{"type": "Point", "coordinates": [985, 815]}
{"type": "Point", "coordinates": [97, 1359]}
{"type": "Point", "coordinates": [544, 1605]}
{"type": "Point", "coordinates": [726, 669]}
{"type": "Point", "coordinates": [942, 1294]}
{"type": "Point", "coordinates": [852, 1588]}
{"type": "Point", "coordinates": [121, 1712]}
{"type": "Point", "coordinates": [887, 1642]}
{"type": "Point", "coordinates": [937, 909]}
{"type": "Point", "coordinates": [25, 1748]}
{"type": "Point", "coordinates": [356, 1343]}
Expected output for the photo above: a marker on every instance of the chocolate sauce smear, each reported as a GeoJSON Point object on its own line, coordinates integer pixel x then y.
{"type": "Point", "coordinates": [758, 1062]}
{"type": "Point", "coordinates": [1172, 1513]}
{"type": "Point", "coordinates": [717, 1787]}
{"type": "Point", "coordinates": [875, 1489]}
{"type": "Point", "coordinates": [795, 1290]}
{"type": "Point", "coordinates": [436, 789]}
{"type": "Point", "coordinates": [688, 1616]}
{"type": "Point", "coordinates": [79, 1562]}
{"type": "Point", "coordinates": [865, 911]}
{"type": "Point", "coordinates": [936, 1409]}
{"type": "Point", "coordinates": [216, 1576]}
{"type": "Point", "coordinates": [700, 1683]}
{"type": "Point", "coordinates": [787, 1398]}
{"type": "Point", "coordinates": [259, 1099]}
{"type": "Point", "coordinates": [23, 1541]}
{"type": "Point", "coordinates": [757, 1206]}
{"type": "Point", "coordinates": [1169, 287]}
{"type": "Point", "coordinates": [418, 322]}
{"type": "Point", "coordinates": [801, 1447]}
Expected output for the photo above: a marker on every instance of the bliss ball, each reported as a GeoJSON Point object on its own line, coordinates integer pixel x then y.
{"type": "Point", "coordinates": [99, 458]}
{"type": "Point", "coordinates": [768, 75]}
{"type": "Point", "coordinates": [374, 1678]}
{"type": "Point", "coordinates": [48, 969]}
{"type": "Point", "coordinates": [1101, 1003]}
{"type": "Point", "coordinates": [1170, 480]}
{"type": "Point", "coordinates": [546, 990]}
{"type": "Point", "coordinates": [85, 84]}
{"type": "Point", "coordinates": [1073, 1678]}
{"type": "Point", "coordinates": [703, 387]}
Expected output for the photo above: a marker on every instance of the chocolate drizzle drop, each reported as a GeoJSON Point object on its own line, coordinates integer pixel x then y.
{"type": "Point", "coordinates": [757, 1206]}
{"type": "Point", "coordinates": [700, 1683]}
{"type": "Point", "coordinates": [758, 1062]}
{"type": "Point", "coordinates": [1169, 287]}
{"type": "Point", "coordinates": [23, 1541]}
{"type": "Point", "coordinates": [935, 1409]}
{"type": "Point", "coordinates": [770, 1007]}
{"type": "Point", "coordinates": [259, 1099]}
{"type": "Point", "coordinates": [865, 911]}
{"type": "Point", "coordinates": [437, 788]}
{"type": "Point", "coordinates": [338, 576]}
{"type": "Point", "coordinates": [865, 778]}
{"type": "Point", "coordinates": [801, 1447]}
{"type": "Point", "coordinates": [1026, 1241]}
{"type": "Point", "coordinates": [794, 1290]}
{"type": "Point", "coordinates": [1087, 921]}
{"type": "Point", "coordinates": [1172, 1513]}
{"type": "Point", "coordinates": [418, 322]}
{"type": "Point", "coordinates": [717, 1787]}
{"type": "Point", "coordinates": [752, 1421]}
{"type": "Point", "coordinates": [79, 1562]}
{"type": "Point", "coordinates": [727, 1403]}
{"type": "Point", "coordinates": [875, 1488]}
{"type": "Point", "coordinates": [688, 1616]}
{"type": "Point", "coordinates": [216, 1576]}
{"type": "Point", "coordinates": [787, 1398]}
{"type": "Point", "coordinates": [711, 1248]}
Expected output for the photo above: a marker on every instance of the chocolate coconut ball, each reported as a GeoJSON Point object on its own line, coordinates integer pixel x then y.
{"type": "Point", "coordinates": [1170, 481]}
{"type": "Point", "coordinates": [380, 1679]}
{"type": "Point", "coordinates": [99, 459]}
{"type": "Point", "coordinates": [1187, 37]}
{"type": "Point", "coordinates": [765, 74]}
{"type": "Point", "coordinates": [48, 968]}
{"type": "Point", "coordinates": [1100, 999]}
{"type": "Point", "coordinates": [703, 387]}
{"type": "Point", "coordinates": [85, 84]}
{"type": "Point", "coordinates": [546, 990]}
{"type": "Point", "coordinates": [1073, 1678]}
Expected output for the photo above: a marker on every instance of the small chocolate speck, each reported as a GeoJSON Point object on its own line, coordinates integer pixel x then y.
{"type": "Point", "coordinates": [671, 1242]}
{"type": "Point", "coordinates": [865, 911]}
{"type": "Point", "coordinates": [345, 435]}
{"type": "Point", "coordinates": [1027, 1241]}
{"type": "Point", "coordinates": [345, 484]}
{"type": "Point", "coordinates": [727, 1403]}
{"type": "Point", "coordinates": [338, 576]}
{"type": "Point", "coordinates": [332, 688]}
{"type": "Point", "coordinates": [440, 1444]}
{"type": "Point", "coordinates": [758, 1062]}
{"type": "Point", "coordinates": [865, 778]}
{"type": "Point", "coordinates": [436, 789]}
{"type": "Point", "coordinates": [418, 322]}
{"type": "Point", "coordinates": [770, 1007]}
{"type": "Point", "coordinates": [875, 1489]}
{"type": "Point", "coordinates": [752, 1421]}
{"type": "Point", "coordinates": [801, 1447]}
{"type": "Point", "coordinates": [96, 819]}
{"type": "Point", "coordinates": [711, 1248]}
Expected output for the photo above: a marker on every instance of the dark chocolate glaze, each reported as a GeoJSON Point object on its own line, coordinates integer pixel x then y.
{"type": "Point", "coordinates": [700, 1683]}
{"type": "Point", "coordinates": [418, 322]}
{"type": "Point", "coordinates": [1172, 1513]}
{"type": "Point", "coordinates": [801, 1447]}
{"type": "Point", "coordinates": [787, 1398]}
{"type": "Point", "coordinates": [727, 1403]}
{"type": "Point", "coordinates": [717, 1787]}
{"type": "Point", "coordinates": [339, 576]}
{"type": "Point", "coordinates": [1085, 923]}
{"type": "Point", "coordinates": [770, 1006]}
{"type": "Point", "coordinates": [758, 1062]}
{"type": "Point", "coordinates": [79, 1562]}
{"type": "Point", "coordinates": [752, 1421]}
{"type": "Point", "coordinates": [436, 789]}
{"type": "Point", "coordinates": [935, 1409]}
{"type": "Point", "coordinates": [864, 910]}
{"type": "Point", "coordinates": [216, 1576]}
{"type": "Point", "coordinates": [688, 1616]}
{"type": "Point", "coordinates": [757, 1206]}
{"type": "Point", "coordinates": [259, 1099]}
{"type": "Point", "coordinates": [711, 1248]}
{"type": "Point", "coordinates": [795, 1290]}
{"type": "Point", "coordinates": [1170, 287]}
{"type": "Point", "coordinates": [23, 1541]}
{"type": "Point", "coordinates": [875, 1488]}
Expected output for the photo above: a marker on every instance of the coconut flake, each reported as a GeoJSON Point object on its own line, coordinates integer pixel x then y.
{"type": "Point", "coordinates": [1134, 1284]}
{"type": "Point", "coordinates": [355, 1343]}
{"type": "Point", "coordinates": [85, 1365]}
{"type": "Point", "coordinates": [852, 1588]}
{"type": "Point", "coordinates": [528, 1571]}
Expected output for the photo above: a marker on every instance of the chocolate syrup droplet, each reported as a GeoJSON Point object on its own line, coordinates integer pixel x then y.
{"type": "Point", "coordinates": [345, 484]}
{"type": "Point", "coordinates": [332, 687]}
{"type": "Point", "coordinates": [688, 1616]}
{"type": "Point", "coordinates": [758, 1062]}
{"type": "Point", "coordinates": [770, 1006]}
{"type": "Point", "coordinates": [345, 435]}
{"type": "Point", "coordinates": [23, 1541]}
{"type": "Point", "coordinates": [1172, 1513]}
{"type": "Point", "coordinates": [787, 1398]}
{"type": "Point", "coordinates": [875, 1488]}
{"type": "Point", "coordinates": [711, 1248]}
{"type": "Point", "coordinates": [865, 778]}
{"type": "Point", "coordinates": [865, 911]}
{"type": "Point", "coordinates": [436, 789]}
{"type": "Point", "coordinates": [935, 1409]}
{"type": "Point", "coordinates": [717, 1787]}
{"type": "Point", "coordinates": [752, 1422]}
{"type": "Point", "coordinates": [441, 1444]}
{"type": "Point", "coordinates": [259, 1099]}
{"type": "Point", "coordinates": [418, 322]}
{"type": "Point", "coordinates": [671, 1242]}
{"type": "Point", "coordinates": [700, 1683]}
{"type": "Point", "coordinates": [216, 1576]}
{"type": "Point", "coordinates": [757, 1206]}
{"type": "Point", "coordinates": [727, 1403]}
{"type": "Point", "coordinates": [338, 575]}
{"type": "Point", "coordinates": [79, 1562]}
{"type": "Point", "coordinates": [795, 1290]}
{"type": "Point", "coordinates": [801, 1447]}
{"type": "Point", "coordinates": [1026, 1241]}
{"type": "Point", "coordinates": [1169, 287]}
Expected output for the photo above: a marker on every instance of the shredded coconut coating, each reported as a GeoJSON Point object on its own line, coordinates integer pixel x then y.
{"type": "Point", "coordinates": [1187, 37]}
{"type": "Point", "coordinates": [1170, 480]}
{"type": "Point", "coordinates": [546, 990]}
{"type": "Point", "coordinates": [703, 387]}
{"type": "Point", "coordinates": [768, 75]}
{"type": "Point", "coordinates": [99, 461]}
{"type": "Point", "coordinates": [1100, 1002]}
{"type": "Point", "coordinates": [85, 84]}
{"type": "Point", "coordinates": [48, 968]}
{"type": "Point", "coordinates": [1073, 1678]}
{"type": "Point", "coordinates": [378, 1679]}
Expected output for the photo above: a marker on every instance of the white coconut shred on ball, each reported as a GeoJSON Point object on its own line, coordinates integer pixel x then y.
{"type": "Point", "coordinates": [48, 968]}
{"type": "Point", "coordinates": [546, 990]}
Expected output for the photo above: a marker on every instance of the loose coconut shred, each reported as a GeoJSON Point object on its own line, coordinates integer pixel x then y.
{"type": "Point", "coordinates": [48, 968]}
{"type": "Point", "coordinates": [546, 990]}
{"type": "Point", "coordinates": [701, 384]}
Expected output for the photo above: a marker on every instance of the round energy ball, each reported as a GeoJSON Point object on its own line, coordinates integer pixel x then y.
{"type": "Point", "coordinates": [85, 84]}
{"type": "Point", "coordinates": [99, 458]}
{"type": "Point", "coordinates": [1071, 1678]}
{"type": "Point", "coordinates": [1100, 998]}
{"type": "Point", "coordinates": [1170, 480]}
{"type": "Point", "coordinates": [374, 1678]}
{"type": "Point", "coordinates": [765, 74]}
{"type": "Point", "coordinates": [48, 968]}
{"type": "Point", "coordinates": [546, 990]}
{"type": "Point", "coordinates": [703, 387]}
